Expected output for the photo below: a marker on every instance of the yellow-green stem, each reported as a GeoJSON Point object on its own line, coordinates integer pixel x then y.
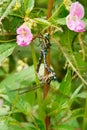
{"type": "Point", "coordinates": [85, 117]}
{"type": "Point", "coordinates": [37, 80]}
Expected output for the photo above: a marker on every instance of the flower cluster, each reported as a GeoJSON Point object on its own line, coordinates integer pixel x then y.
{"type": "Point", "coordinates": [73, 20]}
{"type": "Point", "coordinates": [24, 36]}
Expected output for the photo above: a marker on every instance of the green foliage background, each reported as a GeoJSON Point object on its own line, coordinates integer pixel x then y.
{"type": "Point", "coordinates": [66, 102]}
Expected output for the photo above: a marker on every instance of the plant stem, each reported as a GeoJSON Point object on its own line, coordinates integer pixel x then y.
{"type": "Point", "coordinates": [82, 45]}
{"type": "Point", "coordinates": [37, 80]}
{"type": "Point", "coordinates": [46, 86]}
{"type": "Point", "coordinates": [70, 63]}
{"type": "Point", "coordinates": [85, 117]}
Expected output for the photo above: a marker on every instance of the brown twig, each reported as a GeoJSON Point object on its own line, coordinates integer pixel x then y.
{"type": "Point", "coordinates": [46, 86]}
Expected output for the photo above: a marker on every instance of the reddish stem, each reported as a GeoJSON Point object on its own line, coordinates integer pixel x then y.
{"type": "Point", "coordinates": [46, 86]}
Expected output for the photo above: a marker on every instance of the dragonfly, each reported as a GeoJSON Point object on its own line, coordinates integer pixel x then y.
{"type": "Point", "coordinates": [45, 46]}
{"type": "Point", "coordinates": [21, 91]}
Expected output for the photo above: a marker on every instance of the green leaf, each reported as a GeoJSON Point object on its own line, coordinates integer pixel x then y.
{"type": "Point", "coordinates": [81, 64]}
{"type": "Point", "coordinates": [6, 50]}
{"type": "Point", "coordinates": [69, 125]}
{"type": "Point", "coordinates": [14, 80]}
{"type": "Point", "coordinates": [64, 89]}
{"type": "Point", "coordinates": [75, 93]}
{"type": "Point", "coordinates": [64, 127]}
{"type": "Point", "coordinates": [60, 12]}
{"type": "Point", "coordinates": [4, 110]}
{"type": "Point", "coordinates": [7, 9]}
{"type": "Point", "coordinates": [82, 95]}
{"type": "Point", "coordinates": [77, 113]}
{"type": "Point", "coordinates": [15, 127]}
{"type": "Point", "coordinates": [60, 97]}
{"type": "Point", "coordinates": [29, 126]}
{"type": "Point", "coordinates": [29, 5]}
{"type": "Point", "coordinates": [16, 21]}
{"type": "Point", "coordinates": [85, 20]}
{"type": "Point", "coordinates": [18, 102]}
{"type": "Point", "coordinates": [3, 125]}
{"type": "Point", "coordinates": [40, 124]}
{"type": "Point", "coordinates": [12, 124]}
{"type": "Point", "coordinates": [61, 21]}
{"type": "Point", "coordinates": [65, 86]}
{"type": "Point", "coordinates": [42, 21]}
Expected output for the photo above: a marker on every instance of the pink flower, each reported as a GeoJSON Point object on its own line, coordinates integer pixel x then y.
{"type": "Point", "coordinates": [73, 20]}
{"type": "Point", "coordinates": [75, 24]}
{"type": "Point", "coordinates": [77, 9]}
{"type": "Point", "coordinates": [80, 27]}
{"type": "Point", "coordinates": [24, 36]}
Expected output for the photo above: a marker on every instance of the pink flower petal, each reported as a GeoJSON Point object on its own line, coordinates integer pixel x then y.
{"type": "Point", "coordinates": [73, 20]}
{"type": "Point", "coordinates": [77, 9]}
{"type": "Point", "coordinates": [80, 27]}
{"type": "Point", "coordinates": [73, 23]}
{"type": "Point", "coordinates": [23, 28]}
{"type": "Point", "coordinates": [24, 36]}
